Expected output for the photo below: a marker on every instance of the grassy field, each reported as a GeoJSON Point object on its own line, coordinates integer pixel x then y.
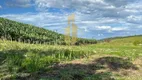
{"type": "Point", "coordinates": [118, 59]}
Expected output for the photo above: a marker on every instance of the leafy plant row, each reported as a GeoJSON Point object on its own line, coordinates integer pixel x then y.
{"type": "Point", "coordinates": [12, 30]}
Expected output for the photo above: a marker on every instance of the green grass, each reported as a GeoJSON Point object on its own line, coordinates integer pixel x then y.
{"type": "Point", "coordinates": [102, 61]}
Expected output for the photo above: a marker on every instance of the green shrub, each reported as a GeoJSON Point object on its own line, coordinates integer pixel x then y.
{"type": "Point", "coordinates": [14, 61]}
{"type": "Point", "coordinates": [32, 62]}
{"type": "Point", "coordinates": [137, 42]}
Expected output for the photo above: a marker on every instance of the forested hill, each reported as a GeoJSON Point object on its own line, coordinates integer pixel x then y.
{"type": "Point", "coordinates": [16, 31]}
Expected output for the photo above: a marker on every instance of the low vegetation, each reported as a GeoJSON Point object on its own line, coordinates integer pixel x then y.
{"type": "Point", "coordinates": [114, 60]}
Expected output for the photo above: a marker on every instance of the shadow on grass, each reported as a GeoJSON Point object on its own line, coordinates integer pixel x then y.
{"type": "Point", "coordinates": [49, 52]}
{"type": "Point", "coordinates": [4, 54]}
{"type": "Point", "coordinates": [89, 71]}
{"type": "Point", "coordinates": [75, 71]}
{"type": "Point", "coordinates": [2, 58]}
{"type": "Point", "coordinates": [116, 63]}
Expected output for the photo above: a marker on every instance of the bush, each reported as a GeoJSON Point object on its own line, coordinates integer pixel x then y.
{"type": "Point", "coordinates": [14, 61]}
{"type": "Point", "coordinates": [32, 62]}
{"type": "Point", "coordinates": [137, 43]}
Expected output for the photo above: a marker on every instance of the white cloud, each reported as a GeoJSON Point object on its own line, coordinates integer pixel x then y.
{"type": "Point", "coordinates": [100, 35]}
{"type": "Point", "coordinates": [135, 19]}
{"type": "Point", "coordinates": [0, 7]}
{"type": "Point", "coordinates": [98, 16]}
{"type": "Point", "coordinates": [46, 20]}
{"type": "Point", "coordinates": [19, 3]}
{"type": "Point", "coordinates": [103, 27]}
{"type": "Point", "coordinates": [84, 6]}
{"type": "Point", "coordinates": [111, 29]}
{"type": "Point", "coordinates": [119, 29]}
{"type": "Point", "coordinates": [119, 3]}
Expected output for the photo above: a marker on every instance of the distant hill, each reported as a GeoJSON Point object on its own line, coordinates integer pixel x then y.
{"type": "Point", "coordinates": [125, 39]}
{"type": "Point", "coordinates": [16, 31]}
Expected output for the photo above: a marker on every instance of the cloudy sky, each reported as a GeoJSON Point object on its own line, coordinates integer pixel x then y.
{"type": "Point", "coordinates": [94, 18]}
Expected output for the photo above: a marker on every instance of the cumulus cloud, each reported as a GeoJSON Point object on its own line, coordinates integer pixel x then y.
{"type": "Point", "coordinates": [93, 17]}
{"type": "Point", "coordinates": [93, 9]}
{"type": "Point", "coordinates": [135, 19]}
{"type": "Point", "coordinates": [80, 4]}
{"type": "Point", "coordinates": [103, 27]}
{"type": "Point", "coordinates": [111, 29]}
{"type": "Point", "coordinates": [119, 3]}
{"type": "Point", "coordinates": [18, 3]}
{"type": "Point", "coordinates": [84, 6]}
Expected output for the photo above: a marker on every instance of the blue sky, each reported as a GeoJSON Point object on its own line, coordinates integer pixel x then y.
{"type": "Point", "coordinates": [95, 18]}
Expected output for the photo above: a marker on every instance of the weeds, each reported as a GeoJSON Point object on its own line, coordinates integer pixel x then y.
{"type": "Point", "coordinates": [36, 59]}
